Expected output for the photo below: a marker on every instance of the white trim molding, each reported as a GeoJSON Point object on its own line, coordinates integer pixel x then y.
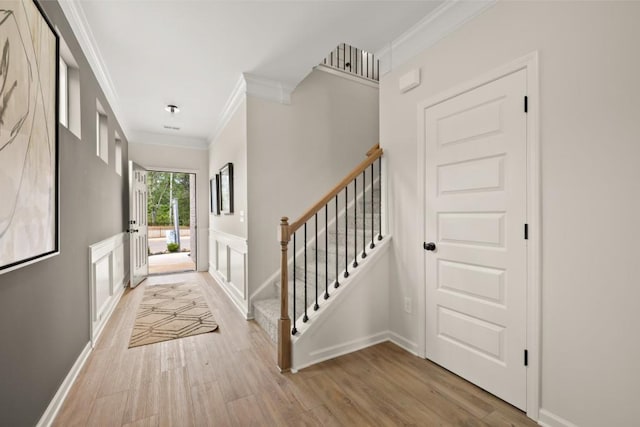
{"type": "Point", "coordinates": [403, 343]}
{"type": "Point", "coordinates": [175, 141]}
{"type": "Point", "coordinates": [107, 281]}
{"type": "Point", "coordinates": [268, 89]}
{"type": "Point", "coordinates": [444, 20]}
{"type": "Point", "coordinates": [58, 399]}
{"type": "Point", "coordinates": [332, 352]}
{"type": "Point", "coordinates": [548, 419]}
{"type": "Point", "coordinates": [74, 13]}
{"type": "Point", "coordinates": [228, 265]}
{"type": "Point", "coordinates": [347, 75]}
{"type": "Point", "coordinates": [534, 317]}
{"type": "Point", "coordinates": [238, 94]}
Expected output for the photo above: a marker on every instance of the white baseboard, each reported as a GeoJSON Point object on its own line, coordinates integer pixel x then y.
{"type": "Point", "coordinates": [344, 348]}
{"type": "Point", "coordinates": [332, 352]}
{"type": "Point", "coordinates": [403, 343]}
{"type": "Point", "coordinates": [548, 419]}
{"type": "Point", "coordinates": [58, 399]}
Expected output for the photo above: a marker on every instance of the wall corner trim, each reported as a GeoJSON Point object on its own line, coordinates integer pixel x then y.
{"type": "Point", "coordinates": [444, 20]}
{"type": "Point", "coordinates": [58, 399]}
{"type": "Point", "coordinates": [72, 10]}
{"type": "Point", "coordinates": [238, 94]}
{"type": "Point", "coordinates": [404, 343]}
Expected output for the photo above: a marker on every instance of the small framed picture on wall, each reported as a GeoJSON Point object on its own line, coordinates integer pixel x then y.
{"type": "Point", "coordinates": [226, 189]}
{"type": "Point", "coordinates": [214, 190]}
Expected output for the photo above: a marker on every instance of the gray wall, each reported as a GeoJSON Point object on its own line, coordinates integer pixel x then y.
{"type": "Point", "coordinates": [44, 307]}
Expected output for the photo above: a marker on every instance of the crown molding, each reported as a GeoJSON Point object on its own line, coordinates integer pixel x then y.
{"type": "Point", "coordinates": [270, 90]}
{"type": "Point", "coordinates": [238, 94]}
{"type": "Point", "coordinates": [444, 20]}
{"type": "Point", "coordinates": [174, 141]}
{"type": "Point", "coordinates": [72, 10]}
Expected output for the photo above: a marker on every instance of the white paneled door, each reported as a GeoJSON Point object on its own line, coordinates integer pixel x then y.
{"type": "Point", "coordinates": [475, 247]}
{"type": "Point", "coordinates": [138, 235]}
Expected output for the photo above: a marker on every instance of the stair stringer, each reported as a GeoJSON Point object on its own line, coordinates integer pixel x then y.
{"type": "Point", "coordinates": [354, 317]}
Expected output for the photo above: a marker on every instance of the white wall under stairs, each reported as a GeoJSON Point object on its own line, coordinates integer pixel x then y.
{"type": "Point", "coordinates": [355, 316]}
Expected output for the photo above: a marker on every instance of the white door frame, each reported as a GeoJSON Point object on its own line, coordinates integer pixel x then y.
{"type": "Point", "coordinates": [530, 64]}
{"type": "Point", "coordinates": [190, 171]}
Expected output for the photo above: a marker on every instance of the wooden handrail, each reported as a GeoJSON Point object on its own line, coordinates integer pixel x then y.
{"type": "Point", "coordinates": [372, 155]}
{"type": "Point", "coordinates": [372, 150]}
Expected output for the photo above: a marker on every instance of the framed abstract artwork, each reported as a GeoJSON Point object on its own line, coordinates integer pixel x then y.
{"type": "Point", "coordinates": [214, 190]}
{"type": "Point", "coordinates": [226, 189]}
{"type": "Point", "coordinates": [29, 170]}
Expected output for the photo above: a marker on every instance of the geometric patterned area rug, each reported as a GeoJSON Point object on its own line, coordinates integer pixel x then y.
{"type": "Point", "coordinates": [171, 311]}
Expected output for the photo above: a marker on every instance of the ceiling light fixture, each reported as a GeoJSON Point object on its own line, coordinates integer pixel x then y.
{"type": "Point", "coordinates": [173, 109]}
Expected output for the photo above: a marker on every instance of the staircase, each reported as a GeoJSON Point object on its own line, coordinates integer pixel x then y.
{"type": "Point", "coordinates": [266, 312]}
{"type": "Point", "coordinates": [328, 242]}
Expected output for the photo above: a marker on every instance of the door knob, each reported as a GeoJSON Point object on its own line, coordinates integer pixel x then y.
{"type": "Point", "coordinates": [429, 246]}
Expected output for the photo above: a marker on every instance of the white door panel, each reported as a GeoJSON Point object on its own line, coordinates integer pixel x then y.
{"type": "Point", "coordinates": [138, 236]}
{"type": "Point", "coordinates": [475, 185]}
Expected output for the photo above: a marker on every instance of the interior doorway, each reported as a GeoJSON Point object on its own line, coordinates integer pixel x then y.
{"type": "Point", "coordinates": [171, 215]}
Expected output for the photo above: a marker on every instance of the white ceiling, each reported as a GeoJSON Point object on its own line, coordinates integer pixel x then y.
{"type": "Point", "coordinates": [192, 53]}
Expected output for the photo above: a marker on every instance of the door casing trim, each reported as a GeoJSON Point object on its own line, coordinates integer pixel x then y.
{"type": "Point", "coordinates": [529, 63]}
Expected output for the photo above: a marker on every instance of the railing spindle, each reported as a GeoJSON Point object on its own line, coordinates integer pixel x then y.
{"type": "Point", "coordinates": [380, 200]}
{"type": "Point", "coordinates": [294, 330]}
{"type": "Point", "coordinates": [306, 304]}
{"type": "Point", "coordinates": [355, 222]}
{"type": "Point", "coordinates": [372, 245]}
{"type": "Point", "coordinates": [326, 251]}
{"type": "Point", "coordinates": [364, 215]}
{"type": "Point", "coordinates": [337, 284]}
{"type": "Point", "coordinates": [316, 306]}
{"type": "Point", "coordinates": [346, 232]}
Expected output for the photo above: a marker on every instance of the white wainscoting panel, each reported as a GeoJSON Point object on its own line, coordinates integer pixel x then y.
{"type": "Point", "coordinates": [228, 265]}
{"type": "Point", "coordinates": [107, 280]}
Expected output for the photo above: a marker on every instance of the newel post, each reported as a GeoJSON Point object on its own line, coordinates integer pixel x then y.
{"type": "Point", "coordinates": [284, 323]}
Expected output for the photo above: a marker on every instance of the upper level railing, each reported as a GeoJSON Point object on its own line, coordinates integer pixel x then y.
{"type": "Point", "coordinates": [341, 206]}
{"type": "Point", "coordinates": [353, 60]}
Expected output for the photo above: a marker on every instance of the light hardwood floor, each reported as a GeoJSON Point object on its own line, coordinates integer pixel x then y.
{"type": "Point", "coordinates": [229, 377]}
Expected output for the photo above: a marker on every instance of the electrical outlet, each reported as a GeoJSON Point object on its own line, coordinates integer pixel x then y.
{"type": "Point", "coordinates": [407, 304]}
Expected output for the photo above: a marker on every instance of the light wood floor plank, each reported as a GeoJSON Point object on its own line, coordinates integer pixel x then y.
{"type": "Point", "coordinates": [229, 378]}
{"type": "Point", "coordinates": [209, 408]}
{"type": "Point", "coordinates": [108, 410]}
{"type": "Point", "coordinates": [143, 402]}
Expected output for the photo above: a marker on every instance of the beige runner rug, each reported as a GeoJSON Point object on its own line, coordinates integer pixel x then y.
{"type": "Point", "coordinates": [171, 311]}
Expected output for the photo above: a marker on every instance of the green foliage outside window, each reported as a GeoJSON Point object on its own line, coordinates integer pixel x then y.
{"type": "Point", "coordinates": [161, 186]}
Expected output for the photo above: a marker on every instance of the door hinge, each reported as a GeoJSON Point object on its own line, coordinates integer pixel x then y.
{"type": "Point", "coordinates": [526, 104]}
{"type": "Point", "coordinates": [526, 232]}
{"type": "Point", "coordinates": [526, 358]}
